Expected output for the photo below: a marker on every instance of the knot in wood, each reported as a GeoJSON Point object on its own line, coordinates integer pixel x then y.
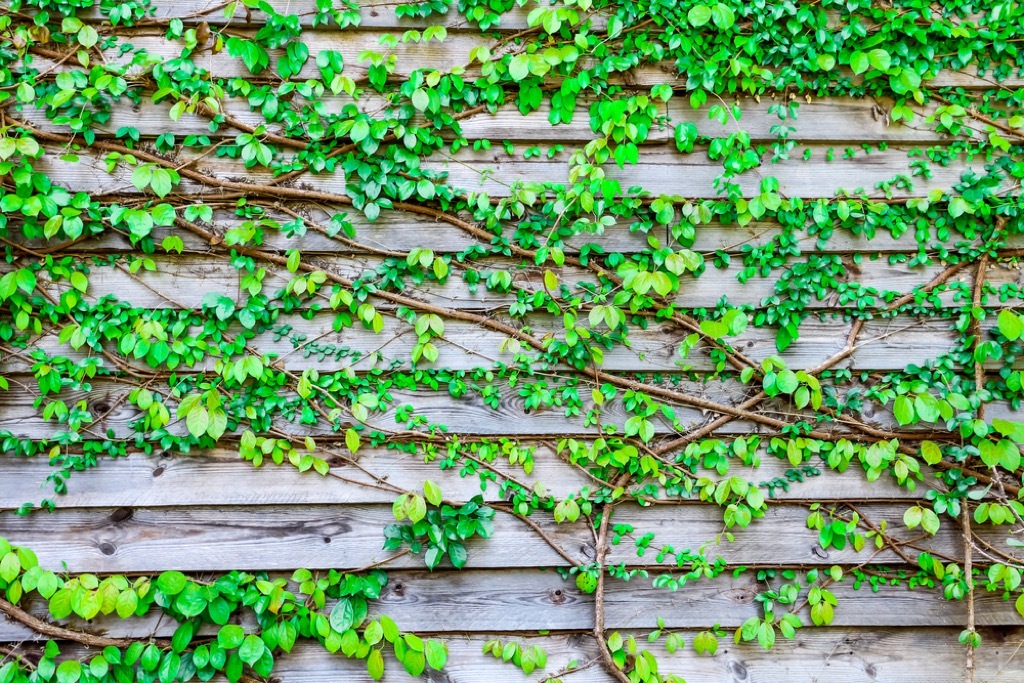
{"type": "Point", "coordinates": [737, 670]}
{"type": "Point", "coordinates": [121, 514]}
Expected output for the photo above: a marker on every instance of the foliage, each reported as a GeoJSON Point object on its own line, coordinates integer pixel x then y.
{"type": "Point", "coordinates": [371, 248]}
{"type": "Point", "coordinates": [284, 612]}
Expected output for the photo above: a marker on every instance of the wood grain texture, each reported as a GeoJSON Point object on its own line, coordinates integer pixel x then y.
{"type": "Point", "coordinates": [345, 537]}
{"type": "Point", "coordinates": [400, 232]}
{"type": "Point", "coordinates": [525, 601]}
{"type": "Point", "coordinates": [468, 415]}
{"type": "Point", "coordinates": [213, 478]}
{"type": "Point", "coordinates": [661, 170]}
{"type": "Point", "coordinates": [816, 655]}
{"type": "Point", "coordinates": [452, 53]}
{"type": "Point", "coordinates": [378, 14]}
{"type": "Point", "coordinates": [884, 344]}
{"type": "Point", "coordinates": [183, 281]}
{"type": "Point", "coordinates": [834, 120]}
{"type": "Point", "coordinates": [850, 655]}
{"type": "Point", "coordinates": [211, 512]}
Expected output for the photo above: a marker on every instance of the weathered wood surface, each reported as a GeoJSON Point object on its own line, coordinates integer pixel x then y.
{"type": "Point", "coordinates": [350, 536]}
{"type": "Point", "coordinates": [372, 14]}
{"type": "Point", "coordinates": [452, 53]}
{"type": "Point", "coordinates": [183, 281]}
{"type": "Point", "coordinates": [151, 513]}
{"type": "Point", "coordinates": [861, 655]}
{"type": "Point", "coordinates": [661, 171]}
{"type": "Point", "coordinates": [395, 231]}
{"type": "Point", "coordinates": [883, 344]}
{"type": "Point", "coordinates": [211, 478]}
{"type": "Point", "coordinates": [525, 601]}
{"type": "Point", "coordinates": [836, 120]}
{"type": "Point", "coordinates": [468, 415]}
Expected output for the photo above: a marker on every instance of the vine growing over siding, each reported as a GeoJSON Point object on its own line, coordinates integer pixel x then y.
{"type": "Point", "coordinates": [195, 203]}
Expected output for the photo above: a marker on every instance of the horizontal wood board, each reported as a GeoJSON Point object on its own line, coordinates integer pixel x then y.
{"type": "Point", "coordinates": [817, 656]}
{"type": "Point", "coordinates": [349, 536]}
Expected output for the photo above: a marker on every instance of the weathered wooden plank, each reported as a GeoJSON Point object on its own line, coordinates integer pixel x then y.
{"type": "Point", "coordinates": [452, 53]}
{"type": "Point", "coordinates": [527, 601]}
{"type": "Point", "coordinates": [398, 231]}
{"type": "Point", "coordinates": [183, 281]}
{"type": "Point", "coordinates": [885, 655]}
{"type": "Point", "coordinates": [210, 478]}
{"type": "Point", "coordinates": [839, 119]}
{"type": "Point", "coordinates": [661, 171]}
{"type": "Point", "coordinates": [468, 415]}
{"type": "Point", "coordinates": [372, 13]}
{"type": "Point", "coordinates": [884, 344]}
{"type": "Point", "coordinates": [346, 537]}
{"type": "Point", "coordinates": [221, 539]}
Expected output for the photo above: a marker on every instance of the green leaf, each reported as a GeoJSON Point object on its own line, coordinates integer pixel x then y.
{"type": "Point", "coordinates": [458, 555]}
{"type": "Point", "coordinates": [705, 642]}
{"type": "Point", "coordinates": [161, 182]}
{"type": "Point", "coordinates": [931, 452]}
{"type": "Point", "coordinates": [913, 516]}
{"type": "Point", "coordinates": [168, 671]}
{"type": "Point", "coordinates": [416, 508]}
{"type": "Point", "coordinates": [183, 636]}
{"type": "Point", "coordinates": [766, 636]}
{"type": "Point", "coordinates": [352, 440]}
{"type": "Point", "coordinates": [880, 59]}
{"type": "Point", "coordinates": [414, 663]}
{"type": "Point", "coordinates": [172, 582]}
{"type": "Point", "coordinates": [519, 67]}
{"type": "Point", "coordinates": [141, 177]}
{"type": "Point", "coordinates": [10, 567]}
{"type": "Point", "coordinates": [230, 636]}
{"type": "Point", "coordinates": [1010, 324]}
{"type": "Point", "coordinates": [723, 16]}
{"type": "Point", "coordinates": [126, 604]}
{"type": "Point", "coordinates": [420, 99]}
{"type": "Point", "coordinates": [432, 492]}
{"type": "Point", "coordinates": [251, 649]}
{"type": "Point", "coordinates": [198, 421]}
{"type": "Point", "coordinates": [436, 653]}
{"type": "Point", "coordinates": [699, 15]}
{"type": "Point", "coordinates": [360, 129]}
{"type": "Point", "coordinates": [8, 285]}
{"type": "Point", "coordinates": [26, 280]}
{"type": "Point", "coordinates": [859, 62]}
{"type": "Point", "coordinates": [927, 407]}
{"type": "Point", "coordinates": [375, 664]}
{"type": "Point", "coordinates": [343, 615]}
{"type": "Point", "coordinates": [98, 667]}
{"type": "Point", "coordinates": [79, 281]}
{"type": "Point", "coordinates": [903, 409]}
{"type": "Point", "coordinates": [787, 382]}
{"type": "Point", "coordinates": [586, 582]}
{"type": "Point", "coordinates": [930, 521]}
{"type": "Point", "coordinates": [69, 671]}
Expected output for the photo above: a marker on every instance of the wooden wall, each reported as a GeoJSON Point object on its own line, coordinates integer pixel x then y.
{"type": "Point", "coordinates": [210, 511]}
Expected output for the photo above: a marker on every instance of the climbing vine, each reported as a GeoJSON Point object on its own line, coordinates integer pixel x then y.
{"type": "Point", "coordinates": [277, 231]}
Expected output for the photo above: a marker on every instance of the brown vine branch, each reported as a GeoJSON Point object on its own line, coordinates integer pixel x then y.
{"type": "Point", "coordinates": [599, 630]}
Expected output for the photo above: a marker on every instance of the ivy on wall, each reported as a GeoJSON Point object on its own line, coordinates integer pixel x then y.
{"type": "Point", "coordinates": [295, 115]}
